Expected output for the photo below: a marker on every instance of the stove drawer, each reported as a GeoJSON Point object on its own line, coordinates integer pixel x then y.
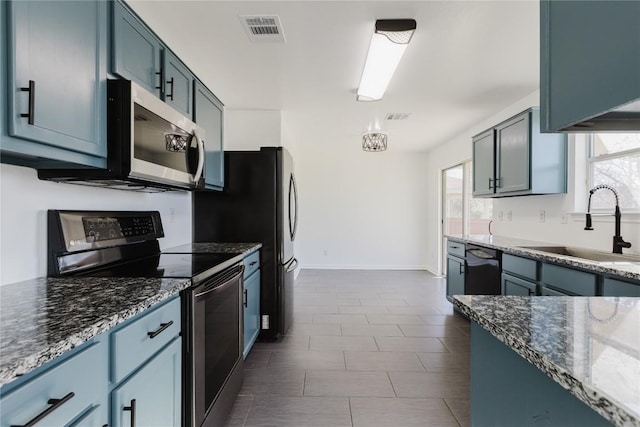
{"type": "Point", "coordinates": [145, 335]}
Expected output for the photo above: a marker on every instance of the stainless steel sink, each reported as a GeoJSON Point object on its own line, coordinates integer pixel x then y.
{"type": "Point", "coordinates": [585, 253]}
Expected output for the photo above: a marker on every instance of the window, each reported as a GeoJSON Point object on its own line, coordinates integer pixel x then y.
{"type": "Point", "coordinates": [614, 159]}
{"type": "Point", "coordinates": [461, 213]}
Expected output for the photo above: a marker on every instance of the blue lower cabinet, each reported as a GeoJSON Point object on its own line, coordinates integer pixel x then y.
{"type": "Point", "coordinates": [618, 288]}
{"type": "Point", "coordinates": [251, 311]}
{"type": "Point", "coordinates": [512, 285]}
{"type": "Point", "coordinates": [94, 417]}
{"type": "Point", "coordinates": [151, 397]}
{"type": "Point", "coordinates": [65, 393]}
{"type": "Point", "coordinates": [507, 390]}
{"type": "Point", "coordinates": [455, 276]}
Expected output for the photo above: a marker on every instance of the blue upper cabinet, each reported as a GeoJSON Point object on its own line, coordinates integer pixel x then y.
{"type": "Point", "coordinates": [208, 113]}
{"type": "Point", "coordinates": [136, 51]}
{"type": "Point", "coordinates": [483, 163]}
{"type": "Point", "coordinates": [178, 84]}
{"type": "Point", "coordinates": [589, 65]}
{"type": "Point", "coordinates": [515, 159]}
{"type": "Point", "coordinates": [56, 83]}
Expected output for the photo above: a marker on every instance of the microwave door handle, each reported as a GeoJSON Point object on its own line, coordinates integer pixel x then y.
{"type": "Point", "coordinates": [200, 168]}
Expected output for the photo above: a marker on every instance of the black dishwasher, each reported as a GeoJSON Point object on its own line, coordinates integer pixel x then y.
{"type": "Point", "coordinates": [483, 271]}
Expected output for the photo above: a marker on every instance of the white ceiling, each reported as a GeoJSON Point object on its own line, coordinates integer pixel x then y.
{"type": "Point", "coordinates": [466, 61]}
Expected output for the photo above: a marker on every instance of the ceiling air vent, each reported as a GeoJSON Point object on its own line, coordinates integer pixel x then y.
{"type": "Point", "coordinates": [398, 116]}
{"type": "Point", "coordinates": [263, 28]}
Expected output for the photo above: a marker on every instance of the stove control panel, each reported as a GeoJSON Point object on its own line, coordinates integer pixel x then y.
{"type": "Point", "coordinates": [97, 229]}
{"type": "Point", "coordinates": [73, 231]}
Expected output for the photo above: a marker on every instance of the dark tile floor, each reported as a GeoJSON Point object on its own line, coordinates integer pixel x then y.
{"type": "Point", "coordinates": [366, 348]}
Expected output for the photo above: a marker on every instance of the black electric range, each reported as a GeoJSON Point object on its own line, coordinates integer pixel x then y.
{"type": "Point", "coordinates": [125, 244]}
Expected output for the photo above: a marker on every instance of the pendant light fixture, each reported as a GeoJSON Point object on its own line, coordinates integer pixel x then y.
{"type": "Point", "coordinates": [388, 43]}
{"type": "Point", "coordinates": [374, 141]}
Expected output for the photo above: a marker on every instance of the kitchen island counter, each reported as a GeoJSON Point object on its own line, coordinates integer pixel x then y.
{"type": "Point", "coordinates": [590, 346]}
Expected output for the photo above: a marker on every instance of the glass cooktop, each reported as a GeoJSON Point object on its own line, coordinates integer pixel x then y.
{"type": "Point", "coordinates": [179, 266]}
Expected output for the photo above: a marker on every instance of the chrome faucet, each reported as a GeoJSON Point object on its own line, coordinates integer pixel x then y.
{"type": "Point", "coordinates": [618, 242]}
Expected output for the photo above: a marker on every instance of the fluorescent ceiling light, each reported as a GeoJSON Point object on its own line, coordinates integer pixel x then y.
{"type": "Point", "coordinates": [388, 44]}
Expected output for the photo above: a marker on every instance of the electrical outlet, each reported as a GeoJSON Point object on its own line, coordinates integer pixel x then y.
{"type": "Point", "coordinates": [500, 216]}
{"type": "Point", "coordinates": [509, 216]}
{"type": "Point", "coordinates": [172, 215]}
{"type": "Point", "coordinates": [563, 219]}
{"type": "Point", "coordinates": [325, 252]}
{"type": "Point", "coordinates": [543, 215]}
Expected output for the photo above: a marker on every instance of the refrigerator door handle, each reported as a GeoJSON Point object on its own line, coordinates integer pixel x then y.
{"type": "Point", "coordinates": [293, 191]}
{"type": "Point", "coordinates": [292, 265]}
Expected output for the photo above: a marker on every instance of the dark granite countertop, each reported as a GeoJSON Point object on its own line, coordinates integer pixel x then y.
{"type": "Point", "coordinates": [588, 345]}
{"type": "Point", "coordinates": [629, 270]}
{"type": "Point", "coordinates": [216, 248]}
{"type": "Point", "coordinates": [41, 319]}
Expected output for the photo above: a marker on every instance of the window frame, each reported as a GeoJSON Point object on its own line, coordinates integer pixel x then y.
{"type": "Point", "coordinates": [591, 160]}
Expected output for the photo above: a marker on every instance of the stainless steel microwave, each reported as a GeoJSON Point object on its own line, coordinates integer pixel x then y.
{"type": "Point", "coordinates": [150, 146]}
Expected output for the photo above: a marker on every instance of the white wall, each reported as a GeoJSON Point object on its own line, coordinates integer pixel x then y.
{"type": "Point", "coordinates": [24, 201]}
{"type": "Point", "coordinates": [251, 129]}
{"type": "Point", "coordinates": [560, 226]}
{"type": "Point", "coordinates": [360, 210]}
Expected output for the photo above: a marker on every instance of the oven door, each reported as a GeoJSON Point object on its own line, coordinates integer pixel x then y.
{"type": "Point", "coordinates": [216, 344]}
{"type": "Point", "coordinates": [166, 146]}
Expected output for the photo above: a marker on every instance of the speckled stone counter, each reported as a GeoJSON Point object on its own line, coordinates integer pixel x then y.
{"type": "Point", "coordinates": [630, 270]}
{"type": "Point", "coordinates": [588, 345]}
{"type": "Point", "coordinates": [216, 248]}
{"type": "Point", "coordinates": [42, 318]}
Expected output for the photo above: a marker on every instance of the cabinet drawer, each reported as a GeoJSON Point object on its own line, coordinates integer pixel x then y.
{"type": "Point", "coordinates": [618, 288]}
{"type": "Point", "coordinates": [548, 292]}
{"type": "Point", "coordinates": [519, 266]}
{"type": "Point", "coordinates": [83, 374]}
{"type": "Point", "coordinates": [455, 248]}
{"type": "Point", "coordinates": [138, 335]}
{"type": "Point", "coordinates": [512, 285]}
{"type": "Point", "coordinates": [251, 263]}
{"type": "Point", "coordinates": [566, 279]}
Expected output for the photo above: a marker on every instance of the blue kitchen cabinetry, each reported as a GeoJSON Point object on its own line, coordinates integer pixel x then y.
{"type": "Point", "coordinates": [620, 288]}
{"type": "Point", "coordinates": [69, 390]}
{"type": "Point", "coordinates": [151, 397]}
{"type": "Point", "coordinates": [55, 60]}
{"type": "Point", "coordinates": [146, 368]}
{"type": "Point", "coordinates": [525, 161]}
{"type": "Point", "coordinates": [136, 51]}
{"type": "Point", "coordinates": [251, 300]}
{"type": "Point", "coordinates": [484, 154]}
{"type": "Point", "coordinates": [208, 113]}
{"type": "Point", "coordinates": [94, 384]}
{"type": "Point", "coordinates": [581, 75]}
{"type": "Point", "coordinates": [519, 275]}
{"type": "Point", "coordinates": [455, 268]}
{"type": "Point", "coordinates": [178, 84]}
{"type": "Point", "coordinates": [569, 281]}
{"type": "Point", "coordinates": [507, 390]}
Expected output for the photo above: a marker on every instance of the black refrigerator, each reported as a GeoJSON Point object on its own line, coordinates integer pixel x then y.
{"type": "Point", "coordinates": [258, 204]}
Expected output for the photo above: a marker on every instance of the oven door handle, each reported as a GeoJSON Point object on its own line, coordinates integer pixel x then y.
{"type": "Point", "coordinates": [224, 281]}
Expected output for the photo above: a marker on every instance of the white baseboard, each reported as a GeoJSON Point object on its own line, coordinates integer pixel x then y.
{"type": "Point", "coordinates": [362, 267]}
